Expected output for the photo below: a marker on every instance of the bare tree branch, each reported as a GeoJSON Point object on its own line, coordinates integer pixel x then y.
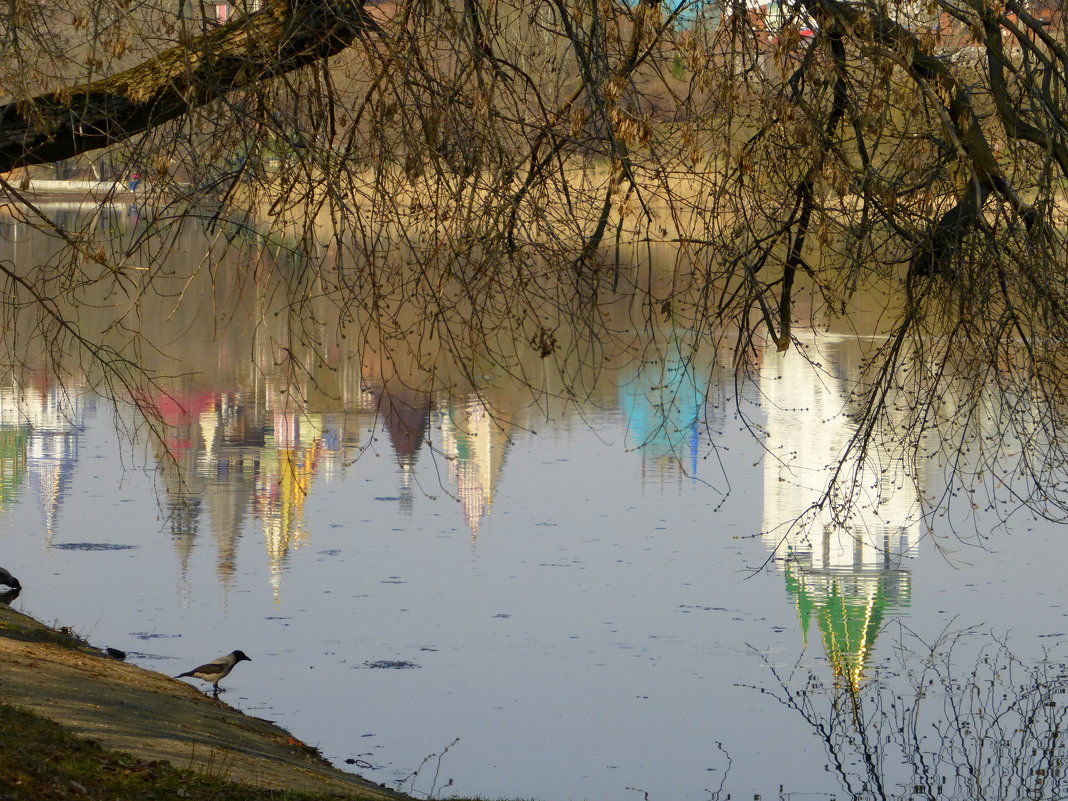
{"type": "Point", "coordinates": [282, 37]}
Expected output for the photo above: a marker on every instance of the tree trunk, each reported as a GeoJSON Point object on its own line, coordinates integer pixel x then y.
{"type": "Point", "coordinates": [285, 35]}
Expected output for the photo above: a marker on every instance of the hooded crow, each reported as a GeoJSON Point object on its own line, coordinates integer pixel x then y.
{"type": "Point", "coordinates": [217, 670]}
{"type": "Point", "coordinates": [9, 580]}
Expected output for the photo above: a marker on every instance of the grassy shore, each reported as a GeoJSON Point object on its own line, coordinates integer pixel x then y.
{"type": "Point", "coordinates": [78, 724]}
{"type": "Point", "coordinates": [39, 759]}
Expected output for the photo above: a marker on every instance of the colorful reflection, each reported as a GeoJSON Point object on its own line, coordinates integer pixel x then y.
{"type": "Point", "coordinates": [662, 398]}
{"type": "Point", "coordinates": [234, 455]}
{"type": "Point", "coordinates": [846, 562]}
{"type": "Point", "coordinates": [475, 442]}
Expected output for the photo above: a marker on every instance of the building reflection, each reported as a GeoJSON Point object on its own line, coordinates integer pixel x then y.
{"type": "Point", "coordinates": [233, 438]}
{"type": "Point", "coordinates": [845, 558]}
{"type": "Point", "coordinates": [248, 454]}
{"type": "Point", "coordinates": [233, 454]}
{"type": "Point", "coordinates": [276, 399]}
{"type": "Point", "coordinates": [40, 427]}
{"type": "Point", "coordinates": [288, 463]}
{"type": "Point", "coordinates": [14, 441]}
{"type": "Point", "coordinates": [405, 414]}
{"type": "Point", "coordinates": [56, 417]}
{"type": "Point", "coordinates": [475, 441]}
{"type": "Point", "coordinates": [243, 443]}
{"type": "Point", "coordinates": [662, 400]}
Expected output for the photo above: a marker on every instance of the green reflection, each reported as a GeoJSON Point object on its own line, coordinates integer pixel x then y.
{"type": "Point", "coordinates": [849, 605]}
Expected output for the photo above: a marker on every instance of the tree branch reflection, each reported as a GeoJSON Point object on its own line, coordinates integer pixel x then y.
{"type": "Point", "coordinates": [962, 717]}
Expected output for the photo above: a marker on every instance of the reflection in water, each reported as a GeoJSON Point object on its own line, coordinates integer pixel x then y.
{"type": "Point", "coordinates": [289, 461]}
{"type": "Point", "coordinates": [475, 443]}
{"type": "Point", "coordinates": [14, 438]}
{"type": "Point", "coordinates": [239, 458]}
{"type": "Point", "coordinates": [264, 411]}
{"type": "Point", "coordinates": [845, 560]}
{"type": "Point", "coordinates": [242, 459]}
{"type": "Point", "coordinates": [40, 425]}
{"type": "Point", "coordinates": [663, 401]}
{"type": "Point", "coordinates": [965, 719]}
{"type": "Point", "coordinates": [405, 414]}
{"type": "Point", "coordinates": [267, 402]}
{"type": "Point", "coordinates": [233, 453]}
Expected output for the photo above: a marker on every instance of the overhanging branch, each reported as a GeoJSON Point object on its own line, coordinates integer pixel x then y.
{"type": "Point", "coordinates": [283, 36]}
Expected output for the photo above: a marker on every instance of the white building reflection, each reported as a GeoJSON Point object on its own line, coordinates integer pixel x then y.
{"type": "Point", "coordinates": [40, 428]}
{"type": "Point", "coordinates": [842, 522]}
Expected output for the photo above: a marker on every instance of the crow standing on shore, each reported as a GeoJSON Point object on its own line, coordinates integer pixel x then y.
{"type": "Point", "coordinates": [215, 671]}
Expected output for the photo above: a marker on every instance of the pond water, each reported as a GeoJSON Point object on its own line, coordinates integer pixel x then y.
{"type": "Point", "coordinates": [475, 588]}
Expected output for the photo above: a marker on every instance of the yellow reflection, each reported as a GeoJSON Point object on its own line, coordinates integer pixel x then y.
{"type": "Point", "coordinates": [842, 523]}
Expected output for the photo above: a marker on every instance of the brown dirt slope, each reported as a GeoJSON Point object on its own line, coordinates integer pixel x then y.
{"type": "Point", "coordinates": [154, 717]}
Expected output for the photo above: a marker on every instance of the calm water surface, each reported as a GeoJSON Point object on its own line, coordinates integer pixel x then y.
{"type": "Point", "coordinates": [494, 592]}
